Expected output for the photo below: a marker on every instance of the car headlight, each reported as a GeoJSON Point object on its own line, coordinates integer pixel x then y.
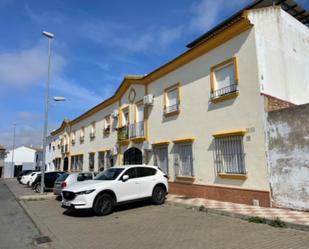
{"type": "Point", "coordinates": [85, 192]}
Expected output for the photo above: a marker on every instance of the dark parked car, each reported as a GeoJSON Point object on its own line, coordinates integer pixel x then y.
{"type": "Point", "coordinates": [49, 181]}
{"type": "Point", "coordinates": [22, 173]}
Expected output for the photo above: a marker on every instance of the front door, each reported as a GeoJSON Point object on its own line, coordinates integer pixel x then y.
{"type": "Point", "coordinates": [133, 156]}
{"type": "Point", "coordinates": [65, 164]}
{"type": "Point", "coordinates": [17, 169]}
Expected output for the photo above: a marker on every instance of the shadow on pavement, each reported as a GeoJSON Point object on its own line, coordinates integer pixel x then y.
{"type": "Point", "coordinates": [120, 208]}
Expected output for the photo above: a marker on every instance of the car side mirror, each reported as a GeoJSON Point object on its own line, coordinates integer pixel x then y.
{"type": "Point", "coordinates": [125, 178]}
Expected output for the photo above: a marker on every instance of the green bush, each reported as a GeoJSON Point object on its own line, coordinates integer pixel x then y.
{"type": "Point", "coordinates": [277, 223]}
{"type": "Point", "coordinates": [256, 219]}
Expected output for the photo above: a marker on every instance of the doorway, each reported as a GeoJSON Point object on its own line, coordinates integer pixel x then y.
{"type": "Point", "coordinates": [65, 164]}
{"type": "Point", "coordinates": [17, 170]}
{"type": "Point", "coordinates": [133, 156]}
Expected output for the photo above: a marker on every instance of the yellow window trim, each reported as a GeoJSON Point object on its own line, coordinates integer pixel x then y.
{"type": "Point", "coordinates": [160, 143]}
{"type": "Point", "coordinates": [103, 150]}
{"type": "Point", "coordinates": [184, 140]}
{"type": "Point", "coordinates": [168, 89]}
{"type": "Point", "coordinates": [240, 132]}
{"type": "Point", "coordinates": [123, 109]}
{"type": "Point", "coordinates": [225, 97]}
{"type": "Point", "coordinates": [213, 82]}
{"type": "Point", "coordinates": [233, 176]}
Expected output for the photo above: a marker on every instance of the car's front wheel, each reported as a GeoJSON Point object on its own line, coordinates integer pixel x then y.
{"type": "Point", "coordinates": [103, 204]}
{"type": "Point", "coordinates": [158, 195]}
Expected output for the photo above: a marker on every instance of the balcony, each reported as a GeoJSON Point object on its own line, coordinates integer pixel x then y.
{"type": "Point", "coordinates": [137, 132]}
{"type": "Point", "coordinates": [171, 110]}
{"type": "Point", "coordinates": [224, 93]}
{"type": "Point", "coordinates": [123, 135]}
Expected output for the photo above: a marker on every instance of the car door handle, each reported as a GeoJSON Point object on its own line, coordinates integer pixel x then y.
{"type": "Point", "coordinates": [136, 182]}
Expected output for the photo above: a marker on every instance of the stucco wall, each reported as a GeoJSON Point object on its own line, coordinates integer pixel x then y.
{"type": "Point", "coordinates": [282, 44]}
{"type": "Point", "coordinates": [288, 156]}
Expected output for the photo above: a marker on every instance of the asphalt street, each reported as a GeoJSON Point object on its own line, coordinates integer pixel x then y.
{"type": "Point", "coordinates": [16, 229]}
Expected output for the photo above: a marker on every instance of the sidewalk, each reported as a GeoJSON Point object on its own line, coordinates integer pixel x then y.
{"type": "Point", "coordinates": [293, 219]}
{"type": "Point", "coordinates": [22, 192]}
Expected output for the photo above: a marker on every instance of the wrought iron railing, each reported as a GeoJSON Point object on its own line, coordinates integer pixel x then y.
{"type": "Point", "coordinates": [223, 91]}
{"type": "Point", "coordinates": [137, 129]}
{"type": "Point", "coordinates": [171, 109]}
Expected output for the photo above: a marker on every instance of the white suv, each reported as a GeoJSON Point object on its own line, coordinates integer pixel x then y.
{"type": "Point", "coordinates": [117, 185]}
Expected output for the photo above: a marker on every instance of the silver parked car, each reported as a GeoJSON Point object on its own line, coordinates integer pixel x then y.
{"type": "Point", "coordinates": [67, 179]}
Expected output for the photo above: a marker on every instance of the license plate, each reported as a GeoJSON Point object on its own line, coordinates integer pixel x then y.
{"type": "Point", "coordinates": [67, 203]}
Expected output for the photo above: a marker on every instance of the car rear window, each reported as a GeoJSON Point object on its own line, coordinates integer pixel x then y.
{"type": "Point", "coordinates": [62, 177]}
{"type": "Point", "coordinates": [145, 171]}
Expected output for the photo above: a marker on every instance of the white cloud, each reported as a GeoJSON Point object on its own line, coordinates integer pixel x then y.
{"type": "Point", "coordinates": [206, 13]}
{"type": "Point", "coordinates": [120, 36]}
{"type": "Point", "coordinates": [77, 93]}
{"type": "Point", "coordinates": [28, 66]}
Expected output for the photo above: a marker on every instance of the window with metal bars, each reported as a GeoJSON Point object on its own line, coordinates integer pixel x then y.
{"type": "Point", "coordinates": [183, 160]}
{"type": "Point", "coordinates": [229, 156]}
{"type": "Point", "coordinates": [91, 161]}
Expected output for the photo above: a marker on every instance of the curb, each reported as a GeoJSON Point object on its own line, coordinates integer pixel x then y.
{"type": "Point", "coordinates": [233, 215]}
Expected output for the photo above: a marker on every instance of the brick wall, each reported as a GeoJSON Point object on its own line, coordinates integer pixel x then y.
{"type": "Point", "coordinates": [235, 195]}
{"type": "Point", "coordinates": [272, 103]}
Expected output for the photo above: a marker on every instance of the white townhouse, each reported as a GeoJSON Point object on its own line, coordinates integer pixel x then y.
{"type": "Point", "coordinates": [201, 116]}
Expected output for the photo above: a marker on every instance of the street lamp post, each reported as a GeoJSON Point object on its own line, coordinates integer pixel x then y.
{"type": "Point", "coordinates": [12, 169]}
{"type": "Point", "coordinates": [49, 36]}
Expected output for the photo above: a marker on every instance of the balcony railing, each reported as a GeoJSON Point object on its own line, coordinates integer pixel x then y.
{"type": "Point", "coordinates": [171, 109]}
{"type": "Point", "coordinates": [223, 91]}
{"type": "Point", "coordinates": [137, 129]}
{"type": "Point", "coordinates": [123, 133]}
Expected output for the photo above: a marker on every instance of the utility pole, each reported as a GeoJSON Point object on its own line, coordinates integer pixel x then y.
{"type": "Point", "coordinates": [12, 167]}
{"type": "Point", "coordinates": [49, 36]}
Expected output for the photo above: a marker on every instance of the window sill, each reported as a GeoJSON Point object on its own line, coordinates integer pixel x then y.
{"type": "Point", "coordinates": [138, 139]}
{"type": "Point", "coordinates": [185, 179]}
{"type": "Point", "coordinates": [169, 114]}
{"type": "Point", "coordinates": [225, 97]}
{"type": "Point", "coordinates": [233, 176]}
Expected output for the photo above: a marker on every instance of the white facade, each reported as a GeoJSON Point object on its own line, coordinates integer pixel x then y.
{"type": "Point", "coordinates": [282, 44]}
{"type": "Point", "coordinates": [23, 156]}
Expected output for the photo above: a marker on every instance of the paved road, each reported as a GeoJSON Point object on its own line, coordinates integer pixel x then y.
{"type": "Point", "coordinates": [16, 229]}
{"type": "Point", "coordinates": [151, 227]}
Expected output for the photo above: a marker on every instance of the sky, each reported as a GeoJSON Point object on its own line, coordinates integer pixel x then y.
{"type": "Point", "coordinates": [96, 43]}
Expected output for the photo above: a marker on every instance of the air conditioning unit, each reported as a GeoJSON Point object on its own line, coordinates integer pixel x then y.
{"type": "Point", "coordinates": [147, 146]}
{"type": "Point", "coordinates": [148, 99]}
{"type": "Point", "coordinates": [115, 113]}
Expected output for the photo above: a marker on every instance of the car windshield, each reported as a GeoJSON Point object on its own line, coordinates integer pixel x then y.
{"type": "Point", "coordinates": [109, 174]}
